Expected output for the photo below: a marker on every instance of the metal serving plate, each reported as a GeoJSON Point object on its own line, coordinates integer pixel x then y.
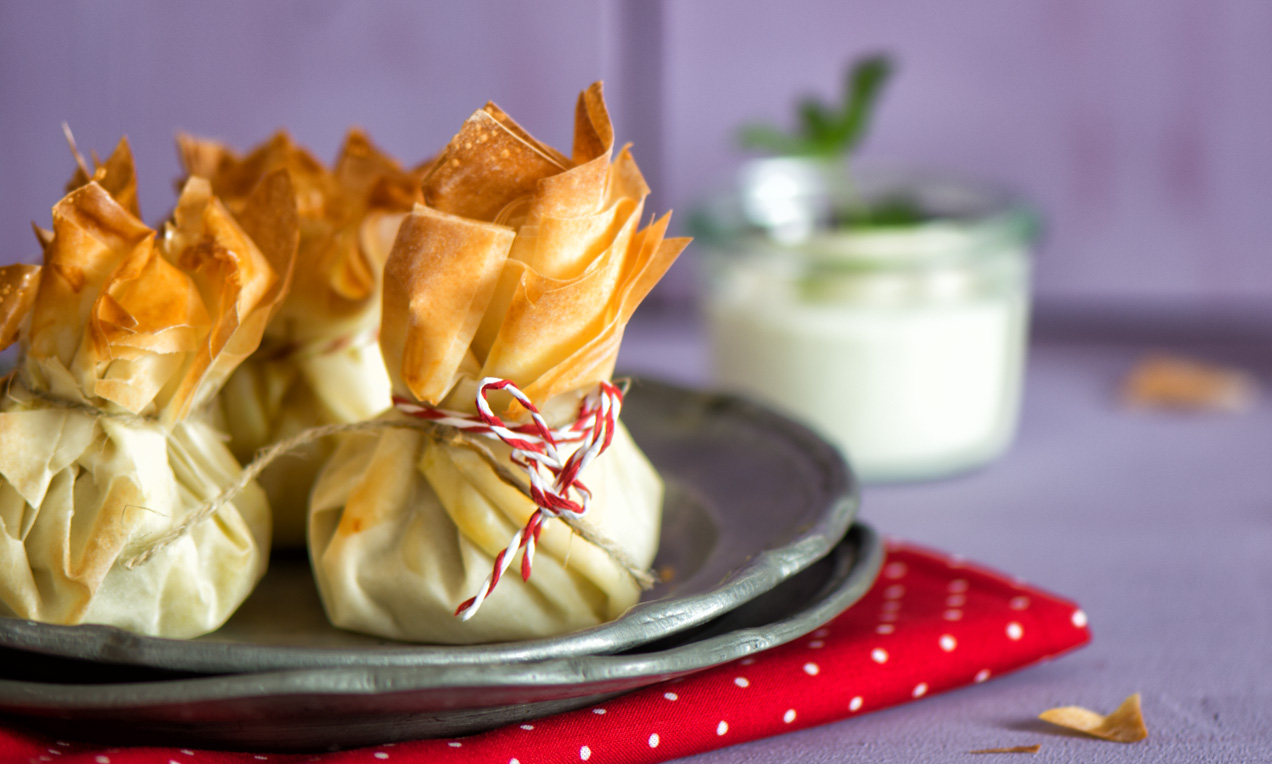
{"type": "Point", "coordinates": [321, 709]}
{"type": "Point", "coordinates": [753, 498]}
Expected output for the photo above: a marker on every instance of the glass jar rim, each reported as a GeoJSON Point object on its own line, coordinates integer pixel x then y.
{"type": "Point", "coordinates": [795, 206]}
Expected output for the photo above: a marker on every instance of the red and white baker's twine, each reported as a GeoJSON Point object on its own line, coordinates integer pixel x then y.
{"type": "Point", "coordinates": [534, 450]}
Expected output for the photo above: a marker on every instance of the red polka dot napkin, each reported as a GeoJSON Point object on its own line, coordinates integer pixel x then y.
{"type": "Point", "coordinates": [931, 623]}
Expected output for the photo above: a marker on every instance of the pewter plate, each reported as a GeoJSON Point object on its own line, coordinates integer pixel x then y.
{"type": "Point", "coordinates": [321, 709]}
{"type": "Point", "coordinates": [752, 499]}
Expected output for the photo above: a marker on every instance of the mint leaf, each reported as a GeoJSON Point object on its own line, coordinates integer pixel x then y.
{"type": "Point", "coordinates": [864, 84]}
{"type": "Point", "coordinates": [831, 131]}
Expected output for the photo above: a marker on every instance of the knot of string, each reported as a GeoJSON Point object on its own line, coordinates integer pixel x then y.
{"type": "Point", "coordinates": [555, 487]}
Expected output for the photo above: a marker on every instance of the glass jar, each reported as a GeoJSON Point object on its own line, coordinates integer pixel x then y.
{"type": "Point", "coordinates": [890, 313]}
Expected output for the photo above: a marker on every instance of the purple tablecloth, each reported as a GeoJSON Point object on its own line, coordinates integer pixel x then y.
{"type": "Point", "coordinates": [1160, 524]}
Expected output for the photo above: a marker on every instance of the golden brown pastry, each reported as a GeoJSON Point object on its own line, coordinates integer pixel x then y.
{"type": "Point", "coordinates": [319, 362]}
{"type": "Point", "coordinates": [125, 332]}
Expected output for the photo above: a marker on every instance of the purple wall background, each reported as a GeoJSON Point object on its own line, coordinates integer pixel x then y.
{"type": "Point", "coordinates": [1141, 128]}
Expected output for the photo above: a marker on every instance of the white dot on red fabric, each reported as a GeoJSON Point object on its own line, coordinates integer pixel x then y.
{"type": "Point", "coordinates": [186, 751]}
{"type": "Point", "coordinates": [653, 740]}
{"type": "Point", "coordinates": [585, 753]}
{"type": "Point", "coordinates": [598, 711]}
{"type": "Point", "coordinates": [747, 661]}
{"type": "Point", "coordinates": [527, 726]}
{"type": "Point", "coordinates": [722, 728]}
{"type": "Point", "coordinates": [789, 716]}
{"type": "Point", "coordinates": [982, 675]}
{"type": "Point", "coordinates": [885, 628]}
{"type": "Point", "coordinates": [514, 761]}
{"type": "Point", "coordinates": [1019, 603]}
{"type": "Point", "coordinates": [1079, 619]}
{"type": "Point", "coordinates": [671, 696]}
{"type": "Point", "coordinates": [955, 600]}
{"type": "Point", "coordinates": [894, 570]}
{"type": "Point", "coordinates": [102, 760]}
{"type": "Point", "coordinates": [953, 615]}
{"type": "Point", "coordinates": [896, 591]}
{"type": "Point", "coordinates": [948, 643]}
{"type": "Point", "coordinates": [55, 752]}
{"type": "Point", "coordinates": [891, 606]}
{"type": "Point", "coordinates": [958, 585]}
{"type": "Point", "coordinates": [454, 744]}
{"type": "Point", "coordinates": [380, 755]}
{"type": "Point", "coordinates": [879, 655]}
{"type": "Point", "coordinates": [1015, 631]}
{"type": "Point", "coordinates": [855, 704]}
{"type": "Point", "coordinates": [812, 669]}
{"type": "Point", "coordinates": [258, 757]}
{"type": "Point", "coordinates": [816, 644]}
{"type": "Point", "coordinates": [741, 681]}
{"type": "Point", "coordinates": [888, 617]}
{"type": "Point", "coordinates": [821, 633]}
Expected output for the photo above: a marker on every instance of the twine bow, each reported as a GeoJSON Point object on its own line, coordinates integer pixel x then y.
{"type": "Point", "coordinates": [535, 451]}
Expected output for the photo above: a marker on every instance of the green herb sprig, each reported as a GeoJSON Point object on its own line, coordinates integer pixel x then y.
{"type": "Point", "coordinates": [828, 130]}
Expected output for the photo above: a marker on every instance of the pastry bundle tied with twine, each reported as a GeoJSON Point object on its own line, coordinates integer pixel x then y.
{"type": "Point", "coordinates": [125, 333]}
{"type": "Point", "coordinates": [519, 271]}
{"type": "Point", "coordinates": [319, 363]}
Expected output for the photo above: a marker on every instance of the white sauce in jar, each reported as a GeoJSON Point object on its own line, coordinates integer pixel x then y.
{"type": "Point", "coordinates": [905, 390]}
{"type": "Point", "coordinates": [908, 359]}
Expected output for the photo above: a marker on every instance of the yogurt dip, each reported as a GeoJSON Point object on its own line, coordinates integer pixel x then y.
{"type": "Point", "coordinates": [903, 345]}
